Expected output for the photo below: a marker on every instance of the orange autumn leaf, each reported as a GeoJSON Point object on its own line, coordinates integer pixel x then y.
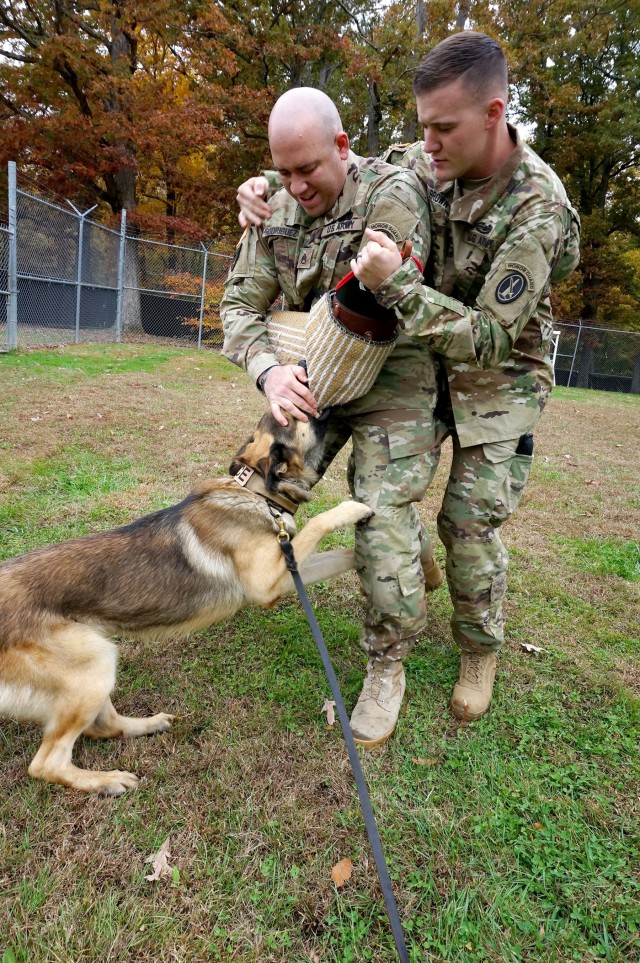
{"type": "Point", "coordinates": [341, 872]}
{"type": "Point", "coordinates": [419, 761]}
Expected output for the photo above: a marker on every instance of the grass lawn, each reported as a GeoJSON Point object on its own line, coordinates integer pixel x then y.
{"type": "Point", "coordinates": [515, 838]}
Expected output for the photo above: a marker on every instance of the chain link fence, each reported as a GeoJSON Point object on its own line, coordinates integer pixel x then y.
{"type": "Point", "coordinates": [65, 278]}
{"type": "Point", "coordinates": [79, 281]}
{"type": "Point", "coordinates": [600, 358]}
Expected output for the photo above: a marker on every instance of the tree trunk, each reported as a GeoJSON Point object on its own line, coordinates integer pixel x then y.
{"type": "Point", "coordinates": [374, 119]}
{"type": "Point", "coordinates": [121, 183]}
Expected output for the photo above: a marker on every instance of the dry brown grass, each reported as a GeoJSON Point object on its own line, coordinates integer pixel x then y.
{"type": "Point", "coordinates": [255, 793]}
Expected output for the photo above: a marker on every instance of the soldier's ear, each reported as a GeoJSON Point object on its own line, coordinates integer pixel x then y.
{"type": "Point", "coordinates": [495, 112]}
{"type": "Point", "coordinates": [342, 143]}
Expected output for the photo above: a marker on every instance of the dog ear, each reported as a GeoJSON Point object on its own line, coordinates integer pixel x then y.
{"type": "Point", "coordinates": [236, 465]}
{"type": "Point", "coordinates": [277, 467]}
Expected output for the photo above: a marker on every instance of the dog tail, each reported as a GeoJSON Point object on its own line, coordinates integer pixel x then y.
{"type": "Point", "coordinates": [327, 564]}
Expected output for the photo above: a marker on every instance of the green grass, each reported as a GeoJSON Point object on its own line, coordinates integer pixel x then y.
{"type": "Point", "coordinates": [610, 556]}
{"type": "Point", "coordinates": [513, 839]}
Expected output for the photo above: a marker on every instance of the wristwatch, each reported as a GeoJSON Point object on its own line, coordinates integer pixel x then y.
{"type": "Point", "coordinates": [263, 377]}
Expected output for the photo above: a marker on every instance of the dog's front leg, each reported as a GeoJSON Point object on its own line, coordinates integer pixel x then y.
{"type": "Point", "coordinates": [305, 543]}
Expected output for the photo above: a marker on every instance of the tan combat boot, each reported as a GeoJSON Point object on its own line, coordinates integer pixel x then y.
{"type": "Point", "coordinates": [376, 713]}
{"type": "Point", "coordinates": [431, 569]}
{"type": "Point", "coordinates": [472, 693]}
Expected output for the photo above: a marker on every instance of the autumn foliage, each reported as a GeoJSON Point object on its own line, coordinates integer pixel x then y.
{"type": "Point", "coordinates": [161, 107]}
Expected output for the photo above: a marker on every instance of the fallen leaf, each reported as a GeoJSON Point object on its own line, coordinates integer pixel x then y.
{"type": "Point", "coordinates": [328, 707]}
{"type": "Point", "coordinates": [419, 761]}
{"type": "Point", "coordinates": [528, 647]}
{"type": "Point", "coordinates": [341, 872]}
{"type": "Point", "coordinates": [160, 862]}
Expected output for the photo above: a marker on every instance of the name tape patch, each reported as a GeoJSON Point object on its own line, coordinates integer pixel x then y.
{"type": "Point", "coordinates": [280, 231]}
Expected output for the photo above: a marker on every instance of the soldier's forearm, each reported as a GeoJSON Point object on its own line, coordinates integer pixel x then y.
{"type": "Point", "coordinates": [446, 325]}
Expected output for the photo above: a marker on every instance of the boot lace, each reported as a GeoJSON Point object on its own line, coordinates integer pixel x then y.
{"type": "Point", "coordinates": [473, 666]}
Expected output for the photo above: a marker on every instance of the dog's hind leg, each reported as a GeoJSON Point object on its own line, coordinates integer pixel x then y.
{"type": "Point", "coordinates": [77, 667]}
{"type": "Point", "coordinates": [109, 724]}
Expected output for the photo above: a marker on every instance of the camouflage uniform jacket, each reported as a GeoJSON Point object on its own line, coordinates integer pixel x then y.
{"type": "Point", "coordinates": [303, 257]}
{"type": "Point", "coordinates": [494, 252]}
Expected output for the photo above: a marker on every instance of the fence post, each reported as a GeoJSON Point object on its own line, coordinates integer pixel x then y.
{"type": "Point", "coordinates": [575, 351]}
{"type": "Point", "coordinates": [79, 265]}
{"type": "Point", "coordinates": [121, 259]}
{"type": "Point", "coordinates": [12, 266]}
{"type": "Point", "coordinates": [205, 248]}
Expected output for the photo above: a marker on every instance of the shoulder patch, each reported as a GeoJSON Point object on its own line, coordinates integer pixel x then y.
{"type": "Point", "coordinates": [386, 228]}
{"type": "Point", "coordinates": [510, 287]}
{"type": "Point", "coordinates": [523, 269]}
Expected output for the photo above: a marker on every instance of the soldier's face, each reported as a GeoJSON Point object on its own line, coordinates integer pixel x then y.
{"type": "Point", "coordinates": [312, 167]}
{"type": "Point", "coordinates": [458, 131]}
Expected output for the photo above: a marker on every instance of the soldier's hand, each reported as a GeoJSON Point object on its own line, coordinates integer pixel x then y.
{"type": "Point", "coordinates": [286, 390]}
{"type": "Point", "coordinates": [377, 260]}
{"type": "Point", "coordinates": [250, 197]}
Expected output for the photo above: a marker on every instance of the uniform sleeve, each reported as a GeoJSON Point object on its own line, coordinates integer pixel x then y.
{"type": "Point", "coordinates": [401, 211]}
{"type": "Point", "coordinates": [541, 247]}
{"type": "Point", "coordinates": [250, 290]}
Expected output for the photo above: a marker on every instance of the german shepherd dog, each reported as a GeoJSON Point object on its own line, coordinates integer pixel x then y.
{"type": "Point", "coordinates": [171, 572]}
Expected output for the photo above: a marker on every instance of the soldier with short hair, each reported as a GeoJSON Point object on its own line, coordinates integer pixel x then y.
{"type": "Point", "coordinates": [502, 229]}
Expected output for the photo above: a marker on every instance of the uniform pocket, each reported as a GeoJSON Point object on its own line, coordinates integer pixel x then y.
{"type": "Point", "coordinates": [501, 480]}
{"type": "Point", "coordinates": [413, 459]}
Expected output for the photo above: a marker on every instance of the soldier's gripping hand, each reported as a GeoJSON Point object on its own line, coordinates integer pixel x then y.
{"type": "Point", "coordinates": [377, 260]}
{"type": "Point", "coordinates": [286, 390]}
{"type": "Point", "coordinates": [250, 197]}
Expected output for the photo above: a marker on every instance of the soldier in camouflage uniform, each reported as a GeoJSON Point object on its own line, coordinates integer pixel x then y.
{"type": "Point", "coordinates": [502, 231]}
{"type": "Point", "coordinates": [314, 229]}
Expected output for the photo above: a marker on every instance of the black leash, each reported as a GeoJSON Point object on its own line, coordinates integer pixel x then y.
{"type": "Point", "coordinates": [365, 802]}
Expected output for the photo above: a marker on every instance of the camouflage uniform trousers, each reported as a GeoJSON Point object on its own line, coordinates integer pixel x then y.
{"type": "Point", "coordinates": [484, 489]}
{"type": "Point", "coordinates": [390, 477]}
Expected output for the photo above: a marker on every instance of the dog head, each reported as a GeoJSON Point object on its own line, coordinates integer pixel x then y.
{"type": "Point", "coordinates": [287, 458]}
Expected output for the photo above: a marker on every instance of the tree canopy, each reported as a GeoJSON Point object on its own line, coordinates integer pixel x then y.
{"type": "Point", "coordinates": [161, 107]}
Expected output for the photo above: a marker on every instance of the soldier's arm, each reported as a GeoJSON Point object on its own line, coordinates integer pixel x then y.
{"type": "Point", "coordinates": [399, 209]}
{"type": "Point", "coordinates": [250, 290]}
{"type": "Point", "coordinates": [541, 247]}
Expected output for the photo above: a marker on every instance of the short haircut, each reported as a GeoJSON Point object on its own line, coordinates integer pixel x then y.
{"type": "Point", "coordinates": [472, 57]}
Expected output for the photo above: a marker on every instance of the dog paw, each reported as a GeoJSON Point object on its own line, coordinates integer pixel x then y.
{"type": "Point", "coordinates": [356, 512]}
{"type": "Point", "coordinates": [117, 782]}
{"type": "Point", "coordinates": [160, 723]}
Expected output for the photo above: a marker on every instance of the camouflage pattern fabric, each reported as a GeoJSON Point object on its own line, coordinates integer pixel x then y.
{"type": "Point", "coordinates": [392, 426]}
{"type": "Point", "coordinates": [494, 252]}
{"type": "Point", "coordinates": [484, 489]}
{"type": "Point", "coordinates": [303, 257]}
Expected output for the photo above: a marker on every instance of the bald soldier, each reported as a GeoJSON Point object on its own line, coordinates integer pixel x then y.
{"type": "Point", "coordinates": [502, 230]}
{"type": "Point", "coordinates": [315, 227]}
